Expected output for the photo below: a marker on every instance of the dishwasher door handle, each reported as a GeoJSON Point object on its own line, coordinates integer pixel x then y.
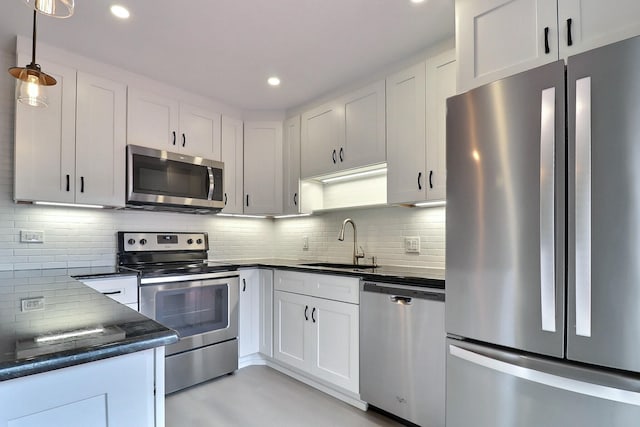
{"type": "Point", "coordinates": [396, 299]}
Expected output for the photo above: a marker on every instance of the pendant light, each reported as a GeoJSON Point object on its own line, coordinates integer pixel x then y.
{"type": "Point", "coordinates": [55, 8]}
{"type": "Point", "coordinates": [31, 88]}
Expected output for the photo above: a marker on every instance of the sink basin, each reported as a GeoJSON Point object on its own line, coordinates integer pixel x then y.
{"type": "Point", "coordinates": [339, 265]}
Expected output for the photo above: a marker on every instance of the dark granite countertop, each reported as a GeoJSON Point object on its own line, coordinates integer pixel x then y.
{"type": "Point", "coordinates": [69, 307]}
{"type": "Point", "coordinates": [415, 276]}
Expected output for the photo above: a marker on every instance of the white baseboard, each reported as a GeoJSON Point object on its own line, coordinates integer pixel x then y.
{"type": "Point", "coordinates": [352, 399]}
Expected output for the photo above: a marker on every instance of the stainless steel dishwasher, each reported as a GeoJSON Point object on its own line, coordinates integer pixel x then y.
{"type": "Point", "coordinates": [402, 351]}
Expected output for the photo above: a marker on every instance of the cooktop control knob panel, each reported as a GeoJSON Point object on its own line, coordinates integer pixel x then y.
{"type": "Point", "coordinates": [158, 242]}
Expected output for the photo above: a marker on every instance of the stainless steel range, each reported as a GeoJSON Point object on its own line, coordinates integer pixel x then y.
{"type": "Point", "coordinates": [180, 289]}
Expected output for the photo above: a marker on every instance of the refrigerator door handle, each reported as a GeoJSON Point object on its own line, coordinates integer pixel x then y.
{"type": "Point", "coordinates": [547, 209]}
{"type": "Point", "coordinates": [583, 207]}
{"type": "Point", "coordinates": [547, 379]}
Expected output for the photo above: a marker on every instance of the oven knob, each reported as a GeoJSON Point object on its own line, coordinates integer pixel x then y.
{"type": "Point", "coordinates": [143, 241]}
{"type": "Point", "coordinates": [190, 241]}
{"type": "Point", "coordinates": [131, 241]}
{"type": "Point", "coordinates": [199, 241]}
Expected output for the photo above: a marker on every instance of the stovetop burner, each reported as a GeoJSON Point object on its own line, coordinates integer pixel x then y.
{"type": "Point", "coordinates": [161, 269]}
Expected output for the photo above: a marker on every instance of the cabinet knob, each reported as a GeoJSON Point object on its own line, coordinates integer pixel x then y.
{"type": "Point", "coordinates": [131, 241]}
{"type": "Point", "coordinates": [143, 241]}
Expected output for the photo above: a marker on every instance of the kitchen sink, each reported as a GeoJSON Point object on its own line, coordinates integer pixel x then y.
{"type": "Point", "coordinates": [342, 266]}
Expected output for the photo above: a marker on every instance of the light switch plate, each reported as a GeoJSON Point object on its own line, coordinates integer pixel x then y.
{"type": "Point", "coordinates": [412, 244]}
{"type": "Point", "coordinates": [305, 242]}
{"type": "Point", "coordinates": [32, 304]}
{"type": "Point", "coordinates": [32, 236]}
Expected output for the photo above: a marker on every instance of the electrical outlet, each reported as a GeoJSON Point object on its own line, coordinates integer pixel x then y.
{"type": "Point", "coordinates": [305, 242]}
{"type": "Point", "coordinates": [32, 304]}
{"type": "Point", "coordinates": [31, 236]}
{"type": "Point", "coordinates": [412, 244]}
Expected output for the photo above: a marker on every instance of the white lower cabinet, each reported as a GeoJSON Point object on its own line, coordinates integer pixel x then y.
{"type": "Point", "coordinates": [123, 289]}
{"type": "Point", "coordinates": [255, 316]}
{"type": "Point", "coordinates": [317, 336]}
{"type": "Point", "coordinates": [117, 391]}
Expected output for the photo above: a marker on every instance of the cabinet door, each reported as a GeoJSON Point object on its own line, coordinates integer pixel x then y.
{"type": "Point", "coordinates": [406, 135]}
{"type": "Point", "coordinates": [365, 141]}
{"type": "Point", "coordinates": [266, 312]}
{"type": "Point", "coordinates": [595, 23]}
{"type": "Point", "coordinates": [335, 335]}
{"type": "Point", "coordinates": [249, 313]}
{"type": "Point", "coordinates": [199, 132]}
{"type": "Point", "coordinates": [233, 159]}
{"type": "Point", "coordinates": [45, 141]}
{"type": "Point", "coordinates": [292, 165]}
{"type": "Point", "coordinates": [152, 120]}
{"type": "Point", "coordinates": [498, 38]}
{"type": "Point", "coordinates": [321, 138]}
{"type": "Point", "coordinates": [100, 141]}
{"type": "Point", "coordinates": [263, 167]}
{"type": "Point", "coordinates": [441, 84]}
{"type": "Point", "coordinates": [292, 317]}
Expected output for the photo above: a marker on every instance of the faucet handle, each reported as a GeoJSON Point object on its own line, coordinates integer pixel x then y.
{"type": "Point", "coordinates": [360, 253]}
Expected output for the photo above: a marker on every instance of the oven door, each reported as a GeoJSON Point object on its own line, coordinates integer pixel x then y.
{"type": "Point", "coordinates": [203, 311]}
{"type": "Point", "coordinates": [158, 177]}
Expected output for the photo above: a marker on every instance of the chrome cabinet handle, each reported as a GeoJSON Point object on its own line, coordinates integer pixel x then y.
{"type": "Point", "coordinates": [582, 244]}
{"type": "Point", "coordinates": [313, 315]}
{"type": "Point", "coordinates": [396, 299]}
{"type": "Point", "coordinates": [547, 211]}
{"type": "Point", "coordinates": [306, 309]}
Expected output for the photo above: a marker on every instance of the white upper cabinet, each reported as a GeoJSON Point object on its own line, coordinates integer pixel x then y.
{"type": "Point", "coordinates": [200, 132]}
{"type": "Point", "coordinates": [364, 126]}
{"type": "Point", "coordinates": [292, 165]}
{"type": "Point", "coordinates": [263, 167]}
{"type": "Point", "coordinates": [321, 138]}
{"type": "Point", "coordinates": [100, 141]}
{"type": "Point", "coordinates": [587, 24]}
{"type": "Point", "coordinates": [167, 124]}
{"type": "Point", "coordinates": [441, 84]}
{"type": "Point", "coordinates": [152, 120]}
{"type": "Point", "coordinates": [406, 135]}
{"type": "Point", "coordinates": [233, 158]}
{"type": "Point", "coordinates": [344, 134]}
{"type": "Point", "coordinates": [56, 152]}
{"type": "Point", "coordinates": [498, 38]}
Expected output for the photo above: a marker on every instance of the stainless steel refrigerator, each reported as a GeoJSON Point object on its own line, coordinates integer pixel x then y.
{"type": "Point", "coordinates": [543, 246]}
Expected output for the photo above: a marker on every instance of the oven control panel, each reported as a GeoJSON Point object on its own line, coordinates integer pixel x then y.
{"type": "Point", "coordinates": [147, 241]}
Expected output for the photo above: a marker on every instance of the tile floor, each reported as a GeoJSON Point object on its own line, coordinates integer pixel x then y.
{"type": "Point", "coordinates": [261, 396]}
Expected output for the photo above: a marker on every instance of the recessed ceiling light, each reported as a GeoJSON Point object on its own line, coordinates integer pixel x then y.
{"type": "Point", "coordinates": [417, 1]}
{"type": "Point", "coordinates": [273, 81]}
{"type": "Point", "coordinates": [120, 11]}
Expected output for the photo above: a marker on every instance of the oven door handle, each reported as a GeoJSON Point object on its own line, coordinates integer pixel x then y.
{"type": "Point", "coordinates": [185, 278]}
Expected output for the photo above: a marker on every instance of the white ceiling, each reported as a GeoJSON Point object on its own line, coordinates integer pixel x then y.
{"type": "Point", "coordinates": [226, 49]}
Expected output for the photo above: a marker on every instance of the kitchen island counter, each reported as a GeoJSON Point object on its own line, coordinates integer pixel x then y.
{"type": "Point", "coordinates": [415, 276]}
{"type": "Point", "coordinates": [49, 321]}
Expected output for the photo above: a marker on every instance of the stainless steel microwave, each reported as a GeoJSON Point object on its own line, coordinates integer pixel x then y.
{"type": "Point", "coordinates": [158, 179]}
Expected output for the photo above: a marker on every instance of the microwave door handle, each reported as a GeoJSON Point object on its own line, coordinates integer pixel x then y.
{"type": "Point", "coordinates": [212, 183]}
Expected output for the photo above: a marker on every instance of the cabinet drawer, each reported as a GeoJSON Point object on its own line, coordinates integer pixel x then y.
{"type": "Point", "coordinates": [123, 289]}
{"type": "Point", "coordinates": [334, 287]}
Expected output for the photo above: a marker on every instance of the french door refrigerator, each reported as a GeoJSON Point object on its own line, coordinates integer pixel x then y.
{"type": "Point", "coordinates": [543, 246]}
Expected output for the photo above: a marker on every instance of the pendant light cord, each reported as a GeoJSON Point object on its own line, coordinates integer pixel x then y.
{"type": "Point", "coordinates": [33, 40]}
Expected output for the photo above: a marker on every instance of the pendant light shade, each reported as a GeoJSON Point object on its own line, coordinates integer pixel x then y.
{"type": "Point", "coordinates": [55, 8]}
{"type": "Point", "coordinates": [31, 87]}
{"type": "Point", "coordinates": [32, 81]}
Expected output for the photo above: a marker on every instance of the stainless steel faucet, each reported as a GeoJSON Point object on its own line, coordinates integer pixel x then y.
{"type": "Point", "coordinates": [356, 254]}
